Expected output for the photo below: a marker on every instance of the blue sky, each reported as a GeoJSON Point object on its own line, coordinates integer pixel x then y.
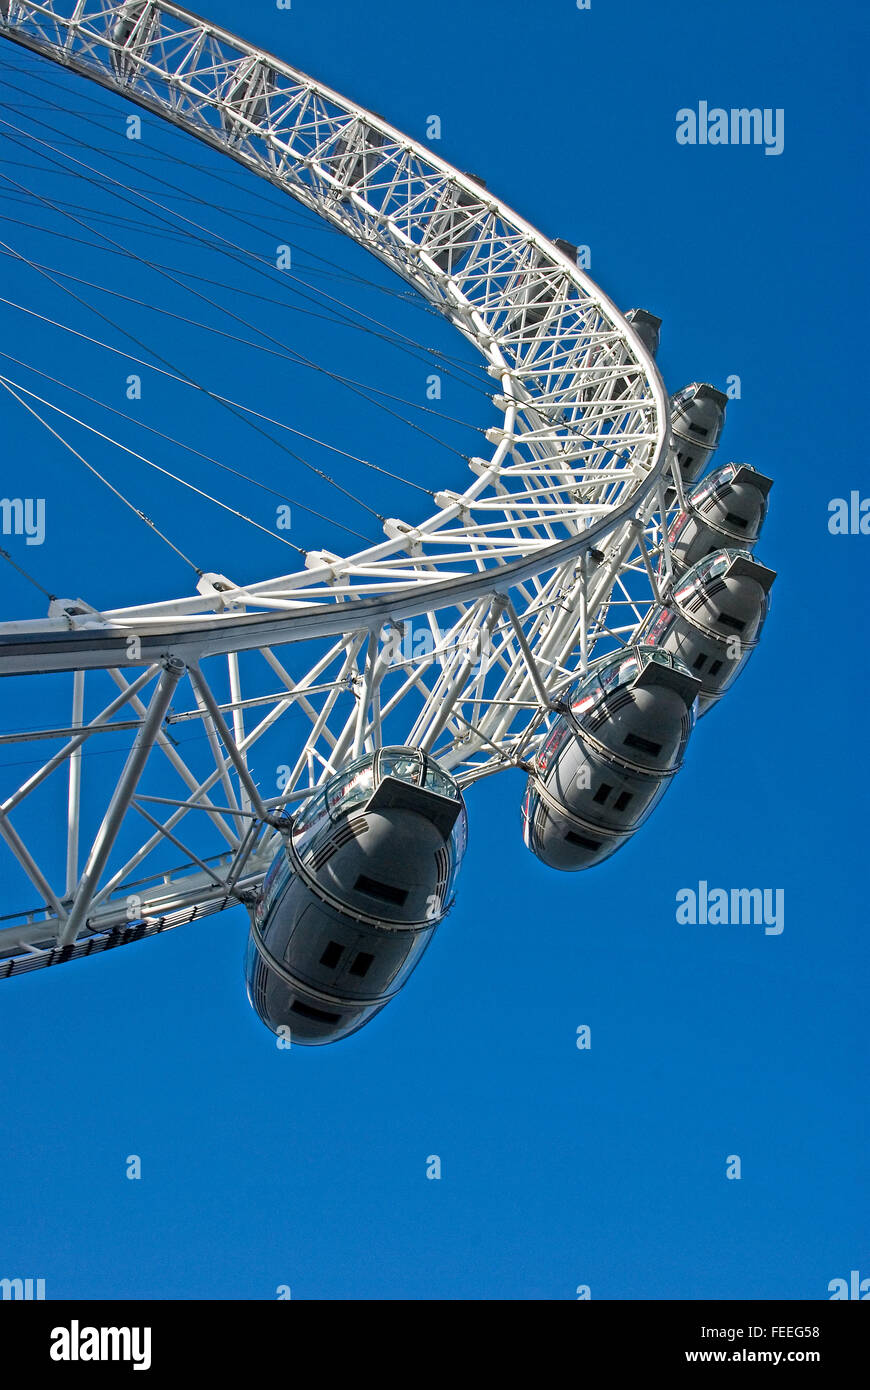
{"type": "Point", "coordinates": [560, 1167]}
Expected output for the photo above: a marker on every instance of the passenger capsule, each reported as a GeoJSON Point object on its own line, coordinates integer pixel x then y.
{"type": "Point", "coordinates": [356, 156]}
{"type": "Point", "coordinates": [727, 508]}
{"type": "Point", "coordinates": [246, 92]}
{"type": "Point", "coordinates": [533, 299]}
{"type": "Point", "coordinates": [447, 239]}
{"type": "Point", "coordinates": [133, 29]}
{"type": "Point", "coordinates": [609, 757]}
{"type": "Point", "coordinates": [353, 897]}
{"type": "Point", "coordinates": [697, 417]}
{"type": "Point", "coordinates": [647, 327]}
{"type": "Point", "coordinates": [127, 18]}
{"type": "Point", "coordinates": [567, 248]}
{"type": "Point", "coordinates": [713, 619]}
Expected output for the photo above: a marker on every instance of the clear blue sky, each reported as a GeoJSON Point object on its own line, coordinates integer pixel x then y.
{"type": "Point", "coordinates": [560, 1167]}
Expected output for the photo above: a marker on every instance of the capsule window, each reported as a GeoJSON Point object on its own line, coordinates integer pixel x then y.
{"type": "Point", "coordinates": [715, 668]}
{"type": "Point", "coordinates": [622, 800]}
{"type": "Point", "coordinates": [699, 430]}
{"type": "Point", "coordinates": [385, 891]}
{"type": "Point", "coordinates": [574, 839]}
{"type": "Point", "coordinates": [332, 955]}
{"type": "Point", "coordinates": [319, 1015]}
{"type": "Point", "coordinates": [361, 963]}
{"type": "Point", "coordinates": [730, 621]}
{"type": "Point", "coordinates": [698, 663]}
{"type": "Point", "coordinates": [739, 521]}
{"type": "Point", "coordinates": [643, 745]}
{"type": "Point", "coordinates": [602, 794]}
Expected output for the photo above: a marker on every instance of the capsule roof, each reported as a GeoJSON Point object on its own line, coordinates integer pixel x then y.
{"type": "Point", "coordinates": [728, 507]}
{"type": "Point", "coordinates": [635, 666]}
{"type": "Point", "coordinates": [698, 414]}
{"type": "Point", "coordinates": [698, 391]}
{"type": "Point", "coordinates": [389, 778]}
{"type": "Point", "coordinates": [647, 327]}
{"type": "Point", "coordinates": [727, 563]}
{"type": "Point", "coordinates": [726, 476]}
{"type": "Point", "coordinates": [405, 765]}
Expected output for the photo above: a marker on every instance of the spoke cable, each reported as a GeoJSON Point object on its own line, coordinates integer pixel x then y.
{"type": "Point", "coordinates": [127, 503]}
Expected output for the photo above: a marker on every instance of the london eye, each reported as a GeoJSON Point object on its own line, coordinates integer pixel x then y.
{"type": "Point", "coordinates": [587, 591]}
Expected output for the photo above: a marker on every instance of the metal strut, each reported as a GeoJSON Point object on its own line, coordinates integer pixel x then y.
{"type": "Point", "coordinates": [123, 795]}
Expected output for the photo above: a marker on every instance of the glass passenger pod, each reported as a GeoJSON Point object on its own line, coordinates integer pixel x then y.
{"type": "Point", "coordinates": [727, 592]}
{"type": "Point", "coordinates": [697, 418]}
{"type": "Point", "coordinates": [698, 414]}
{"type": "Point", "coordinates": [246, 89]}
{"type": "Point", "coordinates": [714, 619]}
{"type": "Point", "coordinates": [735, 499]}
{"type": "Point", "coordinates": [400, 784]}
{"type": "Point", "coordinates": [534, 294]}
{"type": "Point", "coordinates": [449, 235]}
{"type": "Point", "coordinates": [355, 784]}
{"type": "Point", "coordinates": [560, 840]}
{"type": "Point", "coordinates": [552, 745]}
{"type": "Point", "coordinates": [728, 508]}
{"type": "Point", "coordinates": [128, 17]}
{"type": "Point", "coordinates": [638, 704]}
{"type": "Point", "coordinates": [334, 940]}
{"type": "Point", "coordinates": [273, 886]}
{"type": "Point", "coordinates": [356, 156]}
{"type": "Point", "coordinates": [647, 326]}
{"type": "Point", "coordinates": [609, 758]}
{"type": "Point", "coordinates": [133, 30]}
{"type": "Point", "coordinates": [299, 1014]}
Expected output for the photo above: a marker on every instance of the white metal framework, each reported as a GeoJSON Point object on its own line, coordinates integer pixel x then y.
{"type": "Point", "coordinates": [554, 549]}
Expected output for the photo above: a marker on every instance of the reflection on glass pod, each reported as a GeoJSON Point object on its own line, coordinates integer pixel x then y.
{"type": "Point", "coordinates": [127, 18]}
{"type": "Point", "coordinates": [365, 873]}
{"type": "Point", "coordinates": [713, 619]}
{"type": "Point", "coordinates": [609, 757]}
{"type": "Point", "coordinates": [697, 418]}
{"type": "Point", "coordinates": [727, 508]}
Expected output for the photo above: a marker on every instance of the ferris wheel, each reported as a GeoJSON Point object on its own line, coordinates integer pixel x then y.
{"type": "Point", "coordinates": [586, 596]}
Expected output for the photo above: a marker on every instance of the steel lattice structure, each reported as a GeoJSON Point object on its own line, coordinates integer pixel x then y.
{"type": "Point", "coordinates": [556, 546]}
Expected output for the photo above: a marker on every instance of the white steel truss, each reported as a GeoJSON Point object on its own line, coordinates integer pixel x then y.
{"type": "Point", "coordinates": [554, 549]}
